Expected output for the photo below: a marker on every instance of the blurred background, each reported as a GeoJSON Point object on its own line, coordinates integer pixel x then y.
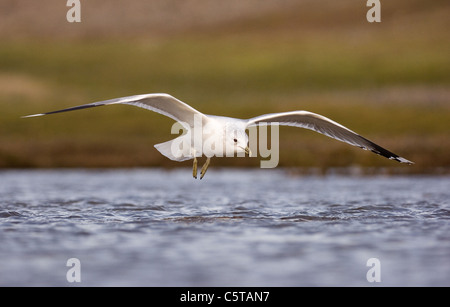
{"type": "Point", "coordinates": [388, 81]}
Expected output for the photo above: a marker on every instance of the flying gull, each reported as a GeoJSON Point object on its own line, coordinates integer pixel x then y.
{"type": "Point", "coordinates": [228, 134]}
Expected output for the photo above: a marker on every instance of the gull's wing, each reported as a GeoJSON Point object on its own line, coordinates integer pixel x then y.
{"type": "Point", "coordinates": [326, 126]}
{"type": "Point", "coordinates": [160, 103]}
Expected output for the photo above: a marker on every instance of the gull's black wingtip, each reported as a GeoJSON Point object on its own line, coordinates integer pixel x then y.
{"type": "Point", "coordinates": [403, 160]}
{"type": "Point", "coordinates": [386, 153]}
{"type": "Point", "coordinates": [86, 106]}
{"type": "Point", "coordinates": [392, 156]}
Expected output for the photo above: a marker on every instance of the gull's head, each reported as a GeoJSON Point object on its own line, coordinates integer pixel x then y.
{"type": "Point", "coordinates": [238, 140]}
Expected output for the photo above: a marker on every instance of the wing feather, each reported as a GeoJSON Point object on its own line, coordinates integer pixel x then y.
{"type": "Point", "coordinates": [326, 126]}
{"type": "Point", "coordinates": [161, 103]}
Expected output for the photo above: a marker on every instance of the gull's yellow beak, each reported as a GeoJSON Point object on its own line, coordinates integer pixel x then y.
{"type": "Point", "coordinates": [248, 152]}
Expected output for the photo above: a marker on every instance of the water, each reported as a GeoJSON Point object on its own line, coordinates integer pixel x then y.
{"type": "Point", "coordinates": [233, 228]}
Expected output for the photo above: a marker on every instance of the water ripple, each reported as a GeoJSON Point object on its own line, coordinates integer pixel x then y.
{"type": "Point", "coordinates": [235, 227]}
{"type": "Point", "coordinates": [9, 214]}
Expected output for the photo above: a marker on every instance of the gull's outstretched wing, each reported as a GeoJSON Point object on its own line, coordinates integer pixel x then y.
{"type": "Point", "coordinates": [326, 126]}
{"type": "Point", "coordinates": [160, 103]}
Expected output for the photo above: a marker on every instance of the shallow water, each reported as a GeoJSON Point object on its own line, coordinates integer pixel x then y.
{"type": "Point", "coordinates": [150, 227]}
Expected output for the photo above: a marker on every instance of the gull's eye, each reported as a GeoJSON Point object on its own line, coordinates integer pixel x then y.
{"type": "Point", "coordinates": [235, 140]}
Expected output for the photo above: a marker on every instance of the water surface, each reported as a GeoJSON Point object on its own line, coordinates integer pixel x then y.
{"type": "Point", "coordinates": [151, 227]}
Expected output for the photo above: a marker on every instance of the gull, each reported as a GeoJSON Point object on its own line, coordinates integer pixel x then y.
{"type": "Point", "coordinates": [229, 133]}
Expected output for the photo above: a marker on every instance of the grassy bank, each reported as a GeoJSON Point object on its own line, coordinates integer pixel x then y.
{"type": "Point", "coordinates": [386, 84]}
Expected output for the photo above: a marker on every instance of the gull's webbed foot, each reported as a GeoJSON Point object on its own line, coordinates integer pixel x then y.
{"type": "Point", "coordinates": [194, 168]}
{"type": "Point", "coordinates": [204, 168]}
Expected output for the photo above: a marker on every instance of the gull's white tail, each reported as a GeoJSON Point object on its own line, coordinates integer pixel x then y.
{"type": "Point", "coordinates": [171, 149]}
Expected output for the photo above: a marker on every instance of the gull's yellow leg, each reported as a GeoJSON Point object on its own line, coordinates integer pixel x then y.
{"type": "Point", "coordinates": [204, 168]}
{"type": "Point", "coordinates": [194, 168]}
